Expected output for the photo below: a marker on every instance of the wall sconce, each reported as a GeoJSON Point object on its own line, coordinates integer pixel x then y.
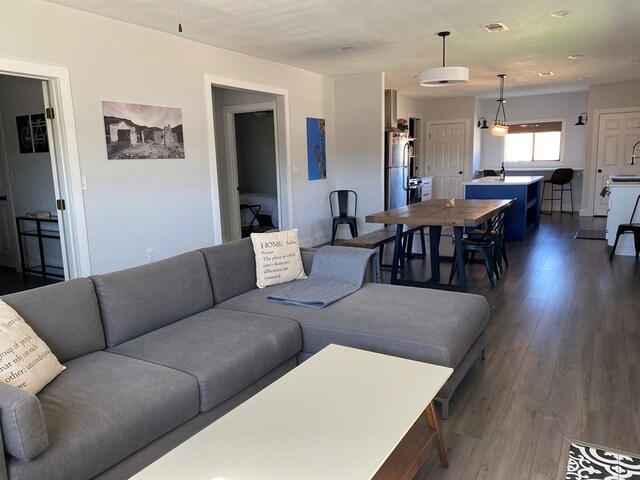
{"type": "Point", "coordinates": [482, 123]}
{"type": "Point", "coordinates": [582, 119]}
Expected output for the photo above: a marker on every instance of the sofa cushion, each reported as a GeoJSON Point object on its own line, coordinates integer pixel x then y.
{"type": "Point", "coordinates": [104, 408]}
{"type": "Point", "coordinates": [65, 316]}
{"type": "Point", "coordinates": [23, 425]}
{"type": "Point", "coordinates": [232, 268]}
{"type": "Point", "coordinates": [427, 325]}
{"type": "Point", "coordinates": [224, 350]}
{"type": "Point", "coordinates": [26, 362]}
{"type": "Point", "coordinates": [140, 299]}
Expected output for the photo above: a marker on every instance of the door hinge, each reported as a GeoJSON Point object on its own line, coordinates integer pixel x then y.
{"type": "Point", "coordinates": [50, 113]}
{"type": "Point", "coordinates": [61, 204]}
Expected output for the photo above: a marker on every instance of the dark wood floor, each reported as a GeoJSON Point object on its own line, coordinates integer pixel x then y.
{"type": "Point", "coordinates": [12, 281]}
{"type": "Point", "coordinates": [563, 358]}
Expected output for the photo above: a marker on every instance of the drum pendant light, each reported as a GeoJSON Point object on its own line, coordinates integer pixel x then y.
{"type": "Point", "coordinates": [500, 127]}
{"type": "Point", "coordinates": [443, 76]}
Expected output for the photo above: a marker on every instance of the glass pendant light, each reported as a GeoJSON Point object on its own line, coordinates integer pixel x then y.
{"type": "Point", "coordinates": [500, 127]}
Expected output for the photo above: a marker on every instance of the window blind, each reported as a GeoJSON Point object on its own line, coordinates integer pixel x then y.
{"type": "Point", "coordinates": [535, 127]}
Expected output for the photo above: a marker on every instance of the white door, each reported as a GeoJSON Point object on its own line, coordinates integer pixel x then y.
{"type": "Point", "coordinates": [8, 255]}
{"type": "Point", "coordinates": [445, 156]}
{"type": "Point", "coordinates": [233, 199]}
{"type": "Point", "coordinates": [617, 133]}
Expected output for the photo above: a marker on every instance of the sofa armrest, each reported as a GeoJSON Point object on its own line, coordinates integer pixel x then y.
{"type": "Point", "coordinates": [374, 263]}
{"type": "Point", "coordinates": [24, 430]}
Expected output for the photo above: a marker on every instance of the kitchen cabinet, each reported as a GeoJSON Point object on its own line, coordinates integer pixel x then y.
{"type": "Point", "coordinates": [525, 214]}
{"type": "Point", "coordinates": [622, 198]}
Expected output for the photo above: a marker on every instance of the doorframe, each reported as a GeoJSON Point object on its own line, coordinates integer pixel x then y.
{"type": "Point", "coordinates": [229, 113]}
{"type": "Point", "coordinates": [589, 205]}
{"type": "Point", "coordinates": [468, 147]}
{"type": "Point", "coordinates": [67, 159]}
{"type": "Point", "coordinates": [283, 146]}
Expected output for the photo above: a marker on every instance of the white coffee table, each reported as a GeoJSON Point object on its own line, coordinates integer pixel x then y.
{"type": "Point", "coordinates": [339, 415]}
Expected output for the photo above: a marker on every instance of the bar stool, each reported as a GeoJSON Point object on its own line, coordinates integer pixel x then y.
{"type": "Point", "coordinates": [561, 177]}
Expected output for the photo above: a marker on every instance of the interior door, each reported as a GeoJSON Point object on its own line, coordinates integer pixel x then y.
{"type": "Point", "coordinates": [445, 157]}
{"type": "Point", "coordinates": [62, 213]}
{"type": "Point", "coordinates": [617, 133]}
{"type": "Point", "coordinates": [8, 246]}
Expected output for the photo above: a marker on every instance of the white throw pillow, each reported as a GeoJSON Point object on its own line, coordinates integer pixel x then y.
{"type": "Point", "coordinates": [25, 360]}
{"type": "Point", "coordinates": [278, 258]}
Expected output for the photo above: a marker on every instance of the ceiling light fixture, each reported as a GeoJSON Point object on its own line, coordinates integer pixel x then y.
{"type": "Point", "coordinates": [582, 119]}
{"type": "Point", "coordinates": [561, 13]}
{"type": "Point", "coordinates": [500, 128]}
{"type": "Point", "coordinates": [443, 76]}
{"type": "Point", "coordinates": [576, 56]}
{"type": "Point", "coordinates": [545, 74]}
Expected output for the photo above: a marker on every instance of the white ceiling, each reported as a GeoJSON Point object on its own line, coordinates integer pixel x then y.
{"type": "Point", "coordinates": [400, 38]}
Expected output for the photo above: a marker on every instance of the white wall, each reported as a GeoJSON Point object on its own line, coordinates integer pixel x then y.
{"type": "Point", "coordinates": [30, 173]}
{"type": "Point", "coordinates": [162, 204]}
{"type": "Point", "coordinates": [359, 137]}
{"type": "Point", "coordinates": [603, 97]}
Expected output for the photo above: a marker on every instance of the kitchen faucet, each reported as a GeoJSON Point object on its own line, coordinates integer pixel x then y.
{"type": "Point", "coordinates": [633, 153]}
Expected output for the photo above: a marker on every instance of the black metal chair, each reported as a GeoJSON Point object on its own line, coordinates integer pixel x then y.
{"type": "Point", "coordinates": [489, 173]}
{"type": "Point", "coordinates": [496, 232]}
{"type": "Point", "coordinates": [339, 202]}
{"type": "Point", "coordinates": [561, 177]}
{"type": "Point", "coordinates": [630, 227]}
{"type": "Point", "coordinates": [485, 247]}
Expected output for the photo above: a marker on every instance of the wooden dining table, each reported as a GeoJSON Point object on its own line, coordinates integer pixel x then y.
{"type": "Point", "coordinates": [436, 214]}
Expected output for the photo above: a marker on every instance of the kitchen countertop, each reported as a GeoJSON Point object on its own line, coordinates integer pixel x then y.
{"type": "Point", "coordinates": [509, 180]}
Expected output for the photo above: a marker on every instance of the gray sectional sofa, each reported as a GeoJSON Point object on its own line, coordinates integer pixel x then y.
{"type": "Point", "coordinates": [156, 353]}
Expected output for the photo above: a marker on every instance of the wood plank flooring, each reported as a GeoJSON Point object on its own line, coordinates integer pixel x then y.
{"type": "Point", "coordinates": [563, 358]}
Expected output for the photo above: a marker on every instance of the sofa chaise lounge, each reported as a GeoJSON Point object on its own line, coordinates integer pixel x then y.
{"type": "Point", "coordinates": [155, 353]}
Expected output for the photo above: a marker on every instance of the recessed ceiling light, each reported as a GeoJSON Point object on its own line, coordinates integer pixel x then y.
{"type": "Point", "coordinates": [545, 74]}
{"type": "Point", "coordinates": [561, 13]}
{"type": "Point", "coordinates": [582, 79]}
{"type": "Point", "coordinates": [576, 56]}
{"type": "Point", "coordinates": [495, 27]}
{"type": "Point", "coordinates": [348, 49]}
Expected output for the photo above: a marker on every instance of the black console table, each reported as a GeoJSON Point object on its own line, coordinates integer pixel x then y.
{"type": "Point", "coordinates": [37, 228]}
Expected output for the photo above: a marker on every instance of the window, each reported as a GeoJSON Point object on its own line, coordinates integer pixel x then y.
{"type": "Point", "coordinates": [533, 142]}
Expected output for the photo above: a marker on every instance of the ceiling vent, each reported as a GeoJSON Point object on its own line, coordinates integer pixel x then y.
{"type": "Point", "coordinates": [495, 27]}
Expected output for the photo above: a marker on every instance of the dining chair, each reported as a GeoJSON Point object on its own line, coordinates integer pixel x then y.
{"type": "Point", "coordinates": [345, 204]}
{"type": "Point", "coordinates": [496, 232]}
{"type": "Point", "coordinates": [486, 247]}
{"type": "Point", "coordinates": [561, 177]}
{"type": "Point", "coordinates": [489, 173]}
{"type": "Point", "coordinates": [630, 227]}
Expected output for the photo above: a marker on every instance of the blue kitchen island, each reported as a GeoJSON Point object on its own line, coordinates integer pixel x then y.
{"type": "Point", "coordinates": [527, 190]}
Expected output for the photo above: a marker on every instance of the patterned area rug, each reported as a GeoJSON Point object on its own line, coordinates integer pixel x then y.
{"type": "Point", "coordinates": [591, 234]}
{"type": "Point", "coordinates": [591, 463]}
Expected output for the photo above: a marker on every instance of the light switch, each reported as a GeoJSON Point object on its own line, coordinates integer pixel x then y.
{"type": "Point", "coordinates": [296, 169]}
{"type": "Point", "coordinates": [83, 182]}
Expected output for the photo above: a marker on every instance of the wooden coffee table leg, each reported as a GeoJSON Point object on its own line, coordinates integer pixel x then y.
{"type": "Point", "coordinates": [434, 425]}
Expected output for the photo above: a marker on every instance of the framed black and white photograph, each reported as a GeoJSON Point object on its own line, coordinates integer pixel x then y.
{"type": "Point", "coordinates": [32, 133]}
{"type": "Point", "coordinates": [135, 131]}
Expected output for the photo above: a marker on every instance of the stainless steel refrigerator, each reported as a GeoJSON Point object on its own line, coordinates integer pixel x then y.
{"type": "Point", "coordinates": [396, 169]}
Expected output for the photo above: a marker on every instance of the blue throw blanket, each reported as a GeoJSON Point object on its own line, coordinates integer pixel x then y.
{"type": "Point", "coordinates": [336, 273]}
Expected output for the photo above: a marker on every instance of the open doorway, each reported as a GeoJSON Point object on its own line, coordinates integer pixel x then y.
{"type": "Point", "coordinates": [257, 167]}
{"type": "Point", "coordinates": [30, 243]}
{"type": "Point", "coordinates": [250, 161]}
{"type": "Point", "coordinates": [54, 99]}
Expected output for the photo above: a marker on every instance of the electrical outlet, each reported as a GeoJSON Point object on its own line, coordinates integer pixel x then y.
{"type": "Point", "coordinates": [151, 255]}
